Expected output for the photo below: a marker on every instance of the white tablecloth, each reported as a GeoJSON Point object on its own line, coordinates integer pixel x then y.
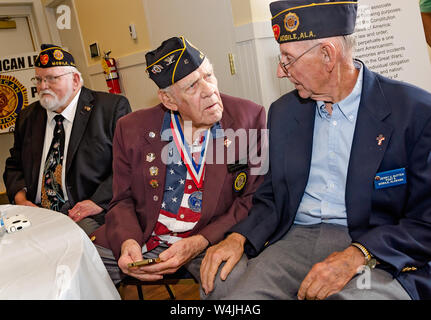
{"type": "Point", "coordinates": [51, 259]}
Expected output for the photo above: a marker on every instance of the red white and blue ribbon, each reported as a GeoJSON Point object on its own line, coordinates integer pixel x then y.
{"type": "Point", "coordinates": [196, 170]}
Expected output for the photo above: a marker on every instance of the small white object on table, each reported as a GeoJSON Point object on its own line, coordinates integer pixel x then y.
{"type": "Point", "coordinates": [51, 259]}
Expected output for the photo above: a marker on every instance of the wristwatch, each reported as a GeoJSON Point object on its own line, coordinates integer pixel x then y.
{"type": "Point", "coordinates": [370, 261]}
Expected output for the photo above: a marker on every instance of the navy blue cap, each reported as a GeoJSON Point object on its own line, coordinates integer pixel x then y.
{"type": "Point", "coordinates": [298, 20]}
{"type": "Point", "coordinates": [54, 56]}
{"type": "Point", "coordinates": [173, 60]}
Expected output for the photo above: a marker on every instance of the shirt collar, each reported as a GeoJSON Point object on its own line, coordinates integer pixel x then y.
{"type": "Point", "coordinates": [349, 105]}
{"type": "Point", "coordinates": [69, 112]}
{"type": "Point", "coordinates": [166, 133]}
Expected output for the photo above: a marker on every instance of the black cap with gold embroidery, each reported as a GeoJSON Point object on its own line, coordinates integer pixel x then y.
{"type": "Point", "coordinates": [297, 20]}
{"type": "Point", "coordinates": [173, 60]}
{"type": "Point", "coordinates": [54, 56]}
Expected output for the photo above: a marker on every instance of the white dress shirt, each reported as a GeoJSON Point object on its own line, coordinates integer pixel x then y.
{"type": "Point", "coordinates": [69, 116]}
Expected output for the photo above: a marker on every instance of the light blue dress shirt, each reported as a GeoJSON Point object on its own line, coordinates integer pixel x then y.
{"type": "Point", "coordinates": [324, 197]}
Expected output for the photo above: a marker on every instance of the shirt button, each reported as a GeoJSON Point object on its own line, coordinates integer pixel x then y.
{"type": "Point", "coordinates": [155, 198]}
{"type": "Point", "coordinates": [182, 216]}
{"type": "Point", "coordinates": [174, 234]}
{"type": "Point", "coordinates": [332, 154]}
{"type": "Point", "coordinates": [331, 186]}
{"type": "Point", "coordinates": [334, 123]}
{"type": "Point", "coordinates": [351, 117]}
{"type": "Point", "coordinates": [189, 186]}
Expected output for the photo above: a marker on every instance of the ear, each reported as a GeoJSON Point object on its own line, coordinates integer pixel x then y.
{"type": "Point", "coordinates": [76, 81]}
{"type": "Point", "coordinates": [329, 55]}
{"type": "Point", "coordinates": [168, 100]}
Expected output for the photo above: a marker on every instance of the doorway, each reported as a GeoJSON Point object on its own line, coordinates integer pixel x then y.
{"type": "Point", "coordinates": [196, 21]}
{"type": "Point", "coordinates": [19, 39]}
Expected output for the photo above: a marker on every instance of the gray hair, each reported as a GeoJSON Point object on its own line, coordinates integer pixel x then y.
{"type": "Point", "coordinates": [168, 90]}
{"type": "Point", "coordinates": [347, 43]}
{"type": "Point", "coordinates": [74, 70]}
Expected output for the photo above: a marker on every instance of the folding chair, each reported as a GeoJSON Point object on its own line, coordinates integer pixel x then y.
{"type": "Point", "coordinates": [182, 276]}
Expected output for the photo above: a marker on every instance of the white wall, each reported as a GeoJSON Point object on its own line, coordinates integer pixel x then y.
{"type": "Point", "coordinates": [135, 83]}
{"type": "Point", "coordinates": [257, 64]}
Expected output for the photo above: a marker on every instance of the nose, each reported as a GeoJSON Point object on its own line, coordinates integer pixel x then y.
{"type": "Point", "coordinates": [43, 85]}
{"type": "Point", "coordinates": [281, 73]}
{"type": "Point", "coordinates": [207, 89]}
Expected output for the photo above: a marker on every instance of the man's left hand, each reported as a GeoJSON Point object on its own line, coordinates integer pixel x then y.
{"type": "Point", "coordinates": [84, 209]}
{"type": "Point", "coordinates": [178, 255]}
{"type": "Point", "coordinates": [331, 275]}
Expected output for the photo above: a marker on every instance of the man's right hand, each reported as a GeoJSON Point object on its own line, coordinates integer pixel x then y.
{"type": "Point", "coordinates": [21, 199]}
{"type": "Point", "coordinates": [131, 251]}
{"type": "Point", "coordinates": [230, 250]}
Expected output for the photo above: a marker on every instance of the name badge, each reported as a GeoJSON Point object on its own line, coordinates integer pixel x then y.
{"type": "Point", "coordinates": [390, 178]}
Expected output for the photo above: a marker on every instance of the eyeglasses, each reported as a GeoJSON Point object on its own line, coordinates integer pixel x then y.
{"type": "Point", "coordinates": [48, 79]}
{"type": "Point", "coordinates": [286, 66]}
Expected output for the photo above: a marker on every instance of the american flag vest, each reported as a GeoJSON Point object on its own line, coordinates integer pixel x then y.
{"type": "Point", "coordinates": [182, 199]}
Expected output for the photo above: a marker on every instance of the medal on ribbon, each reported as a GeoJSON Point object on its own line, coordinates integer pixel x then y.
{"type": "Point", "coordinates": [196, 170]}
{"type": "Point", "coordinates": [195, 201]}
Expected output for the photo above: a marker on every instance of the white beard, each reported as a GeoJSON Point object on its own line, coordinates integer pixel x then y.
{"type": "Point", "coordinates": [50, 101]}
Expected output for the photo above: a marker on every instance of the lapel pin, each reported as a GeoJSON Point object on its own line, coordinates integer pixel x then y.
{"type": "Point", "coordinates": [154, 183]}
{"type": "Point", "coordinates": [240, 181]}
{"type": "Point", "coordinates": [154, 171]}
{"type": "Point", "coordinates": [380, 139]}
{"type": "Point", "coordinates": [151, 157]}
{"type": "Point", "coordinates": [227, 142]}
{"type": "Point", "coordinates": [87, 108]}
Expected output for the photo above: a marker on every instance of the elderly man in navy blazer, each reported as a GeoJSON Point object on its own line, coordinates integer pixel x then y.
{"type": "Point", "coordinates": [181, 176]}
{"type": "Point", "coordinates": [345, 210]}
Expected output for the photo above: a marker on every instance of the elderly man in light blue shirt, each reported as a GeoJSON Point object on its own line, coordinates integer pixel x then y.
{"type": "Point", "coordinates": [349, 179]}
{"type": "Point", "coordinates": [324, 197]}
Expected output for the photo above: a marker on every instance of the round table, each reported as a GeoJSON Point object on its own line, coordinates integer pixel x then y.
{"type": "Point", "coordinates": [51, 259]}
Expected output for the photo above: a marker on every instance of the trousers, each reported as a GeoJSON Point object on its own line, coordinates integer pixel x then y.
{"type": "Point", "coordinates": [278, 271]}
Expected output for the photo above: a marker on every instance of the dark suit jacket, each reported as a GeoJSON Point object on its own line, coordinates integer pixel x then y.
{"type": "Point", "coordinates": [393, 223]}
{"type": "Point", "coordinates": [89, 156]}
{"type": "Point", "coordinates": [135, 206]}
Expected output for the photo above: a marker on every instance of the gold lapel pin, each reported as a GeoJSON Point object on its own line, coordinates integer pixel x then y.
{"type": "Point", "coordinates": [154, 171]}
{"type": "Point", "coordinates": [154, 183]}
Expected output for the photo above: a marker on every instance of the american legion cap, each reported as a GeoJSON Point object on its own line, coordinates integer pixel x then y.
{"type": "Point", "coordinates": [297, 20]}
{"type": "Point", "coordinates": [54, 56]}
{"type": "Point", "coordinates": [173, 60]}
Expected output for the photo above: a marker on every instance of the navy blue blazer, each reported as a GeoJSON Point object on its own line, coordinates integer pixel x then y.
{"type": "Point", "coordinates": [393, 223]}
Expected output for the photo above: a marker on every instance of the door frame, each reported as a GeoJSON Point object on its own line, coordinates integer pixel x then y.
{"type": "Point", "coordinates": [39, 27]}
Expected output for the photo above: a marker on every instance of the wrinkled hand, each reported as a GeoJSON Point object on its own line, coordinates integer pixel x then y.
{"type": "Point", "coordinates": [172, 258]}
{"type": "Point", "coordinates": [84, 209]}
{"type": "Point", "coordinates": [230, 250]}
{"type": "Point", "coordinates": [178, 255]}
{"type": "Point", "coordinates": [21, 199]}
{"type": "Point", "coordinates": [131, 251]}
{"type": "Point", "coordinates": [331, 275]}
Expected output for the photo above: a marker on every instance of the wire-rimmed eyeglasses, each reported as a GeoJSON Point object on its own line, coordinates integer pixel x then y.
{"type": "Point", "coordinates": [48, 79]}
{"type": "Point", "coordinates": [286, 66]}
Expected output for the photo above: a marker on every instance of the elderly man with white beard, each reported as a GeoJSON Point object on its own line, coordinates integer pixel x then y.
{"type": "Point", "coordinates": [62, 153]}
